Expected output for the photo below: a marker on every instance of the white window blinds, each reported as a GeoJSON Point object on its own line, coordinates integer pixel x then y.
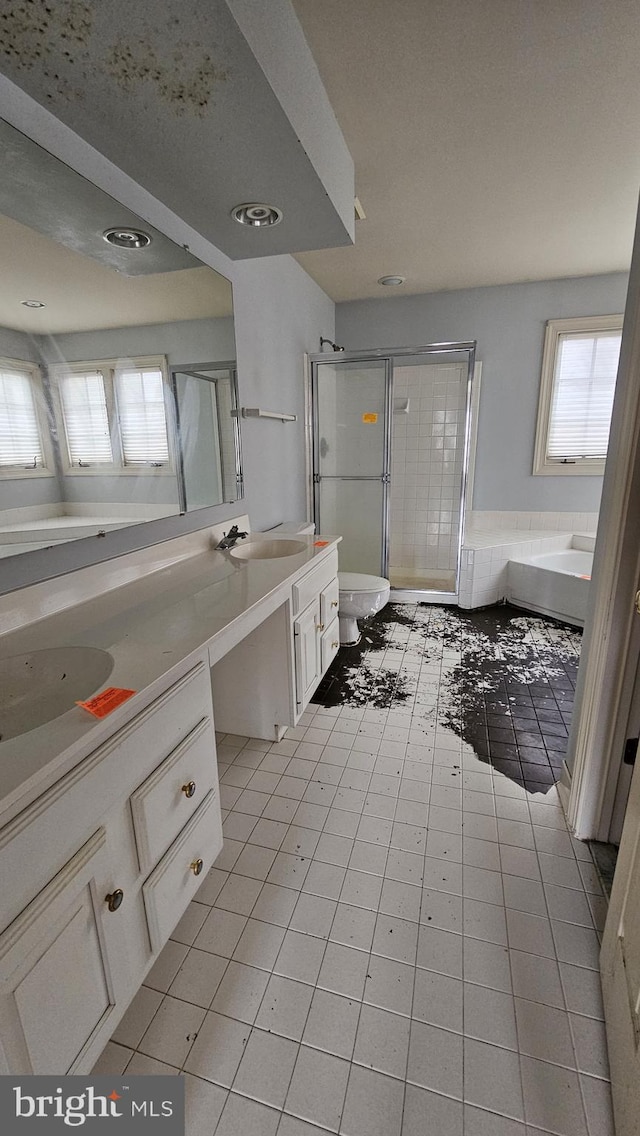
{"type": "Point", "coordinates": [86, 421]}
{"type": "Point", "coordinates": [582, 400]}
{"type": "Point", "coordinates": [20, 441]}
{"type": "Point", "coordinates": [142, 417]}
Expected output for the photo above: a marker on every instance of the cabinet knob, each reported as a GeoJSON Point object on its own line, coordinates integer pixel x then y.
{"type": "Point", "coordinates": [335, 644]}
{"type": "Point", "coordinates": [197, 866]}
{"type": "Point", "coordinates": [189, 789]}
{"type": "Point", "coordinates": [319, 626]}
{"type": "Point", "coordinates": [334, 603]}
{"type": "Point", "coordinates": [114, 899]}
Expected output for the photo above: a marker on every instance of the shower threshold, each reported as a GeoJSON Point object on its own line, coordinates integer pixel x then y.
{"type": "Point", "coordinates": [421, 595]}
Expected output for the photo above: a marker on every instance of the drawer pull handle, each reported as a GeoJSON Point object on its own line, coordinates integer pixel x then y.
{"type": "Point", "coordinates": [189, 789]}
{"type": "Point", "coordinates": [197, 866]}
{"type": "Point", "coordinates": [319, 626]}
{"type": "Point", "coordinates": [335, 644]}
{"type": "Point", "coordinates": [114, 899]}
{"type": "Point", "coordinates": [334, 603]}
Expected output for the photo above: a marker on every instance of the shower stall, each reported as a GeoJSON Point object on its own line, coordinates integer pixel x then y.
{"type": "Point", "coordinates": [390, 439]}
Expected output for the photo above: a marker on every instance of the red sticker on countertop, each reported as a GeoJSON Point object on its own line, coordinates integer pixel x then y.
{"type": "Point", "coordinates": [106, 701]}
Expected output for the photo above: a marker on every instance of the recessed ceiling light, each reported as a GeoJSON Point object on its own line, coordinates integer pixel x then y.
{"type": "Point", "coordinates": [257, 214]}
{"type": "Point", "coordinates": [33, 304]}
{"type": "Point", "coordinates": [127, 238]}
{"type": "Point", "coordinates": [391, 281]}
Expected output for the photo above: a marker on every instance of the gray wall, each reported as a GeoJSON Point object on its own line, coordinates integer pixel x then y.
{"type": "Point", "coordinates": [280, 313]}
{"type": "Point", "coordinates": [185, 341]}
{"type": "Point", "coordinates": [509, 323]}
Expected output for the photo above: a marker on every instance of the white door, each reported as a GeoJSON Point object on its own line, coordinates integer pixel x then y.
{"type": "Point", "coordinates": [620, 968]}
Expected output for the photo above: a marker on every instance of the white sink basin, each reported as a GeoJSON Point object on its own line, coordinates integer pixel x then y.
{"type": "Point", "coordinates": [267, 549]}
{"type": "Point", "coordinates": [40, 686]}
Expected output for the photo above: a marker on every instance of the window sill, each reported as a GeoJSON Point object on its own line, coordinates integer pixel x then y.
{"type": "Point", "coordinates": [19, 473]}
{"type": "Point", "coordinates": [570, 469]}
{"type": "Point", "coordinates": [117, 471]}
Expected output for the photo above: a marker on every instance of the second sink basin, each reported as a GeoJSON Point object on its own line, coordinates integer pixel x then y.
{"type": "Point", "coordinates": [37, 687]}
{"type": "Point", "coordinates": [267, 549]}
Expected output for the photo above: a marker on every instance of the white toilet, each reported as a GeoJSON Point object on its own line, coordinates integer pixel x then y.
{"type": "Point", "coordinates": [359, 596]}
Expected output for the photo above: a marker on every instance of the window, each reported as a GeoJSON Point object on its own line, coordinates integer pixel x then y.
{"type": "Point", "coordinates": [24, 450]}
{"type": "Point", "coordinates": [114, 415]}
{"type": "Point", "coordinates": [579, 370]}
{"type": "Point", "coordinates": [142, 418]}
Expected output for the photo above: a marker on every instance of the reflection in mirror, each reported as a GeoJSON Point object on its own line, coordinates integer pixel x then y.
{"type": "Point", "coordinates": [208, 433]}
{"type": "Point", "coordinates": [101, 424]}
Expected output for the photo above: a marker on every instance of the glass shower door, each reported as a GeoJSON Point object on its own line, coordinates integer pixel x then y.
{"type": "Point", "coordinates": [351, 467]}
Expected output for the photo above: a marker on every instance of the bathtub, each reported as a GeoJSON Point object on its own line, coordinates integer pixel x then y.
{"type": "Point", "coordinates": [552, 583]}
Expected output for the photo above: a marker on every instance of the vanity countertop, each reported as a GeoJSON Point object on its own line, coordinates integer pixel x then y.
{"type": "Point", "coordinates": [151, 627]}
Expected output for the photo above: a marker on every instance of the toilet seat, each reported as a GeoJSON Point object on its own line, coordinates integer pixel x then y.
{"type": "Point", "coordinates": [359, 582]}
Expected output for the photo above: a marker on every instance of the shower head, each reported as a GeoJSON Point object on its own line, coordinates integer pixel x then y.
{"type": "Point", "coordinates": [331, 344]}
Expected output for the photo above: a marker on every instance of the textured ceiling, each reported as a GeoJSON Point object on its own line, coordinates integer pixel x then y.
{"type": "Point", "coordinates": [493, 142]}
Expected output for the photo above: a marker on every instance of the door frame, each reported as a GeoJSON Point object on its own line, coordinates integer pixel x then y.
{"type": "Point", "coordinates": [610, 650]}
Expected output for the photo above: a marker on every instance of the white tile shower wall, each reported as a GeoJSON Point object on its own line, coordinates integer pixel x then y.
{"type": "Point", "coordinates": [482, 519]}
{"type": "Point", "coordinates": [426, 469]}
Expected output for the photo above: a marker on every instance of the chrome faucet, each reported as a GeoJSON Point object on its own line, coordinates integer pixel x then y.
{"type": "Point", "coordinates": [231, 538]}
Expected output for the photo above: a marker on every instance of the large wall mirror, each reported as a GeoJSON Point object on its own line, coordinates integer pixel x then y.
{"type": "Point", "coordinates": [118, 392]}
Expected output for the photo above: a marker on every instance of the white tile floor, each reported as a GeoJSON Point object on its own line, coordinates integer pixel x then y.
{"type": "Point", "coordinates": [379, 950]}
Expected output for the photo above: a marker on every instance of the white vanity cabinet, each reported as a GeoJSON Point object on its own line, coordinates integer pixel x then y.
{"type": "Point", "coordinates": [264, 683]}
{"type": "Point", "coordinates": [130, 834]}
{"type": "Point", "coordinates": [107, 829]}
{"type": "Point", "coordinates": [316, 633]}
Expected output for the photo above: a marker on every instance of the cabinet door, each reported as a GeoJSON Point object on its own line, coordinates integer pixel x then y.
{"type": "Point", "coordinates": [56, 989]}
{"type": "Point", "coordinates": [306, 644]}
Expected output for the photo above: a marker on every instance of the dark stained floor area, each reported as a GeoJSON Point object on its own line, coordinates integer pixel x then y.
{"type": "Point", "coordinates": [502, 679]}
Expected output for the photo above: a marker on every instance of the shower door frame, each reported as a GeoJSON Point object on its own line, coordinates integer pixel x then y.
{"type": "Point", "coordinates": [389, 355]}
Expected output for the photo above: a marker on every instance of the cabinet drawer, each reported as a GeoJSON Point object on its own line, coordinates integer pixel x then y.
{"type": "Point", "coordinates": [329, 602]}
{"type": "Point", "coordinates": [329, 645]}
{"type": "Point", "coordinates": [313, 583]}
{"type": "Point", "coordinates": [173, 883]}
{"type": "Point", "coordinates": [163, 804]}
